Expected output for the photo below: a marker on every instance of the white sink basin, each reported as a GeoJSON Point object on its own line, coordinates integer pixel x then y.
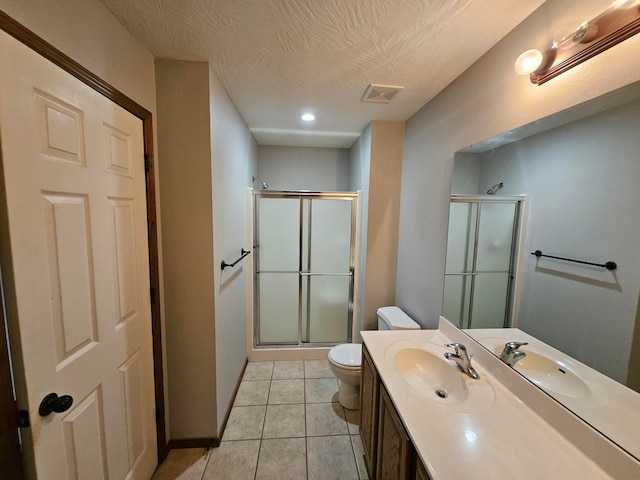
{"type": "Point", "coordinates": [423, 367]}
{"type": "Point", "coordinates": [554, 375]}
{"type": "Point", "coordinates": [434, 376]}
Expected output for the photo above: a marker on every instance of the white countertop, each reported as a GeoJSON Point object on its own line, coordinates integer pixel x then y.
{"type": "Point", "coordinates": [610, 407]}
{"type": "Point", "coordinates": [503, 439]}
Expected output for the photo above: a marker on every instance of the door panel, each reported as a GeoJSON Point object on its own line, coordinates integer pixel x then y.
{"type": "Point", "coordinates": [84, 439]}
{"type": "Point", "coordinates": [304, 278]}
{"type": "Point", "coordinates": [279, 231]}
{"type": "Point", "coordinates": [330, 242]}
{"type": "Point", "coordinates": [329, 308]}
{"type": "Point", "coordinates": [278, 295]}
{"type": "Point", "coordinates": [460, 244]}
{"type": "Point", "coordinates": [480, 246]}
{"type": "Point", "coordinates": [75, 244]}
{"type": "Point", "coordinates": [457, 295]}
{"type": "Point", "coordinates": [124, 241]}
{"type": "Point", "coordinates": [490, 300]}
{"type": "Point", "coordinates": [495, 237]}
{"type": "Point", "coordinates": [131, 377]}
{"type": "Point", "coordinates": [69, 256]}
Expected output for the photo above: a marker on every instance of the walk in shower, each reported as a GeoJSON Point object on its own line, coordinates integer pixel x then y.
{"type": "Point", "coordinates": [481, 257]}
{"type": "Point", "coordinates": [304, 244]}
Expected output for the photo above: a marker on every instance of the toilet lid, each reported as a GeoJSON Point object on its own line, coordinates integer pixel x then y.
{"type": "Point", "coordinates": [347, 354]}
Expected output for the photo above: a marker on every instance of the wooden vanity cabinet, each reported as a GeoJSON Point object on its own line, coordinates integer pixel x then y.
{"type": "Point", "coordinates": [369, 394]}
{"type": "Point", "coordinates": [388, 451]}
{"type": "Point", "coordinates": [395, 451]}
{"type": "Point", "coordinates": [421, 471]}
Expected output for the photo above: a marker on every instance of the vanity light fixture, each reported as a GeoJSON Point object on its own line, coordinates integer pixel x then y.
{"type": "Point", "coordinates": [307, 117]}
{"type": "Point", "coordinates": [614, 25]}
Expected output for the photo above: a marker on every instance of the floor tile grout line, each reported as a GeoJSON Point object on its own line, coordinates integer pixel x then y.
{"type": "Point", "coordinates": [353, 450]}
{"type": "Point", "coordinates": [255, 471]}
{"type": "Point", "coordinates": [305, 404]}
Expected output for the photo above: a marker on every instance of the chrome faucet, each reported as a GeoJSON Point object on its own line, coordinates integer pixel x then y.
{"type": "Point", "coordinates": [510, 354]}
{"type": "Point", "coordinates": [462, 359]}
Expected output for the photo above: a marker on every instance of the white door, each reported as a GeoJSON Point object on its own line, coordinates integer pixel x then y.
{"type": "Point", "coordinates": [75, 261]}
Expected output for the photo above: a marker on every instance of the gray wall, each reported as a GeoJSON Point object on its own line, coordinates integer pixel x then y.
{"type": "Point", "coordinates": [207, 155]}
{"type": "Point", "coordinates": [183, 129]}
{"type": "Point", "coordinates": [376, 170]}
{"type": "Point", "coordinates": [487, 100]}
{"type": "Point", "coordinates": [303, 168]}
{"type": "Point", "coordinates": [233, 160]}
{"type": "Point", "coordinates": [385, 175]}
{"type": "Point", "coordinates": [583, 181]}
{"type": "Point", "coordinates": [359, 166]}
{"type": "Point", "coordinates": [466, 174]}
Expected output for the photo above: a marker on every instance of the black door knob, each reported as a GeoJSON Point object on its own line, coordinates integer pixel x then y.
{"type": "Point", "coordinates": [54, 403]}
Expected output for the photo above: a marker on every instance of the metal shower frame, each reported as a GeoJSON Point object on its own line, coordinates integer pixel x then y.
{"type": "Point", "coordinates": [519, 201]}
{"type": "Point", "coordinates": [302, 273]}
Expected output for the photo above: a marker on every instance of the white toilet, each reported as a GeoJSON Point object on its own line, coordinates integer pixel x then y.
{"type": "Point", "coordinates": [345, 359]}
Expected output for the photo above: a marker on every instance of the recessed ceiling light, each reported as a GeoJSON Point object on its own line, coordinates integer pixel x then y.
{"type": "Point", "coordinates": [308, 117]}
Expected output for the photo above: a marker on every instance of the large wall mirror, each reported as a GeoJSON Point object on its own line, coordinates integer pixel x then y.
{"type": "Point", "coordinates": [580, 172]}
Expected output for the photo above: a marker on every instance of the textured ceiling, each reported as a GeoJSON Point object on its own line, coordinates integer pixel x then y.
{"type": "Point", "coordinates": [278, 58]}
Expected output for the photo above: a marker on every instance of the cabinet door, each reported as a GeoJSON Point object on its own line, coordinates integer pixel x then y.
{"type": "Point", "coordinates": [395, 451]}
{"type": "Point", "coordinates": [369, 388]}
{"type": "Point", "coordinates": [421, 471]}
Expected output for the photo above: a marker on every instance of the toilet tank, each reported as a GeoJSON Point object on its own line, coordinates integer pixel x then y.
{"type": "Point", "coordinates": [392, 318]}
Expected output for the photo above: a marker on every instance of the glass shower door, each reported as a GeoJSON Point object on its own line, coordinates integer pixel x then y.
{"type": "Point", "coordinates": [278, 267]}
{"type": "Point", "coordinates": [327, 272]}
{"type": "Point", "coordinates": [493, 265]}
{"type": "Point", "coordinates": [304, 268]}
{"type": "Point", "coordinates": [479, 268]}
{"type": "Point", "coordinates": [459, 265]}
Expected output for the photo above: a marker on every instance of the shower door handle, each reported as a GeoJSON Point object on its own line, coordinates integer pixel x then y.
{"type": "Point", "coordinates": [473, 274]}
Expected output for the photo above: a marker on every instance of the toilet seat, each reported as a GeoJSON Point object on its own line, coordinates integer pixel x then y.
{"type": "Point", "coordinates": [347, 356]}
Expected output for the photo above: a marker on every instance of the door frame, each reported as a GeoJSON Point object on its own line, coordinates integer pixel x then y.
{"type": "Point", "coordinates": [10, 455]}
{"type": "Point", "coordinates": [66, 63]}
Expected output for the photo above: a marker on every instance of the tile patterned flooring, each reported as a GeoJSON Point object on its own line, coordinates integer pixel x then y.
{"type": "Point", "coordinates": [285, 424]}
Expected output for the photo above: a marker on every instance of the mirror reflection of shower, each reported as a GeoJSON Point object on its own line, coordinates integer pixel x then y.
{"type": "Point", "coordinates": [263, 184]}
{"type": "Point", "coordinates": [495, 188]}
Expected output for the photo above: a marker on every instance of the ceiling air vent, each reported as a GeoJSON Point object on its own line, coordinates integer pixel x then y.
{"type": "Point", "coordinates": [380, 93]}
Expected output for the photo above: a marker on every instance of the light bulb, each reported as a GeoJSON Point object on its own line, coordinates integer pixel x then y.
{"type": "Point", "coordinates": [308, 117]}
{"type": "Point", "coordinates": [625, 3]}
{"type": "Point", "coordinates": [528, 62]}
